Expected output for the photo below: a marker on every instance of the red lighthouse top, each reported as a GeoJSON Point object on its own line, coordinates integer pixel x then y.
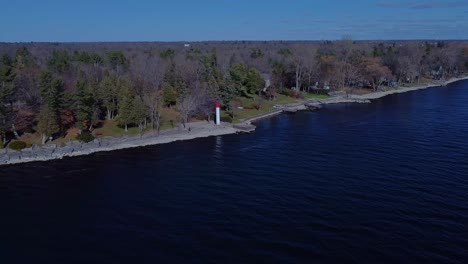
{"type": "Point", "coordinates": [218, 105]}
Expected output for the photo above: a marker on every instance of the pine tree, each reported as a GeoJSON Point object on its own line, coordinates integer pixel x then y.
{"type": "Point", "coordinates": [52, 95]}
{"type": "Point", "coordinates": [51, 91]}
{"type": "Point", "coordinates": [170, 94]}
{"type": "Point", "coordinates": [47, 123]}
{"type": "Point", "coordinates": [254, 81]}
{"type": "Point", "coordinates": [84, 105]}
{"type": "Point", "coordinates": [126, 109]}
{"type": "Point", "coordinates": [7, 90]}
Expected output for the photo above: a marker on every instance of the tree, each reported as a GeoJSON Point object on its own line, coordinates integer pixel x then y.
{"type": "Point", "coordinates": [23, 58]}
{"type": "Point", "coordinates": [238, 76]}
{"type": "Point", "coordinates": [169, 93]}
{"type": "Point", "coordinates": [49, 116]}
{"type": "Point", "coordinates": [139, 113]}
{"type": "Point", "coordinates": [7, 94]}
{"type": "Point", "coordinates": [51, 91]}
{"type": "Point", "coordinates": [148, 76]}
{"type": "Point", "coordinates": [47, 123]}
{"type": "Point", "coordinates": [375, 72]}
{"type": "Point", "coordinates": [5, 111]}
{"type": "Point", "coordinates": [254, 81]}
{"type": "Point", "coordinates": [110, 88]}
{"type": "Point", "coordinates": [153, 99]}
{"type": "Point", "coordinates": [126, 109]}
{"type": "Point", "coordinates": [227, 91]}
{"type": "Point", "coordinates": [186, 106]}
{"type": "Point", "coordinates": [117, 61]}
{"type": "Point", "coordinates": [60, 61]}
{"type": "Point", "coordinates": [279, 74]}
{"type": "Point", "coordinates": [167, 54]}
{"type": "Point", "coordinates": [84, 106]}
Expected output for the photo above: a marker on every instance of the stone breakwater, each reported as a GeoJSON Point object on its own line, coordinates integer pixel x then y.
{"type": "Point", "coordinates": [75, 148]}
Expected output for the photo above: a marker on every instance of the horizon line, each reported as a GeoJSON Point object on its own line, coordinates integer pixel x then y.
{"type": "Point", "coordinates": [204, 41]}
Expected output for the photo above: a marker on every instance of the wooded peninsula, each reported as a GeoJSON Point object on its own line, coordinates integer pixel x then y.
{"type": "Point", "coordinates": [61, 92]}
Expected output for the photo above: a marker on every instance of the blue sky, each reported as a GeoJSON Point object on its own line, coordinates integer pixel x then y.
{"type": "Point", "coordinates": [179, 20]}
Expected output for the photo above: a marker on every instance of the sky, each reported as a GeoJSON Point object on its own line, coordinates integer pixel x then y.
{"type": "Point", "coordinates": [200, 20]}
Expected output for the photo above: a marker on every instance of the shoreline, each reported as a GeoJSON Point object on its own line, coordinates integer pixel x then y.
{"type": "Point", "coordinates": [366, 98]}
{"type": "Point", "coordinates": [75, 148]}
{"type": "Point", "coordinates": [377, 95]}
{"type": "Point", "coordinates": [197, 130]}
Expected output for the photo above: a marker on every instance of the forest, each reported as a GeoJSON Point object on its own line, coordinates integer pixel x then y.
{"type": "Point", "coordinates": [50, 91]}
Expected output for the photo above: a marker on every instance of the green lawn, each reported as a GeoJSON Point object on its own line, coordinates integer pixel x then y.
{"type": "Point", "coordinates": [315, 96]}
{"type": "Point", "coordinates": [422, 81]}
{"type": "Point", "coordinates": [169, 119]}
{"type": "Point", "coordinates": [246, 103]}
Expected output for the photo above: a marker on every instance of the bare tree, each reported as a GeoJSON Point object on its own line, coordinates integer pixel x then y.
{"type": "Point", "coordinates": [187, 106]}
{"type": "Point", "coordinates": [149, 73]}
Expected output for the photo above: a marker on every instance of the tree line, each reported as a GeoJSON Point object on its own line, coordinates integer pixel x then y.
{"type": "Point", "coordinates": [51, 87]}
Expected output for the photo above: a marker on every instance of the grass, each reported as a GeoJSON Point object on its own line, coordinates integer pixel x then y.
{"type": "Point", "coordinates": [315, 96]}
{"type": "Point", "coordinates": [249, 109]}
{"type": "Point", "coordinates": [422, 81]}
{"type": "Point", "coordinates": [111, 128]}
{"type": "Point", "coordinates": [170, 118]}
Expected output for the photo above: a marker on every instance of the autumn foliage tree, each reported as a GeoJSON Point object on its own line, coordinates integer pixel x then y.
{"type": "Point", "coordinates": [132, 83]}
{"type": "Point", "coordinates": [374, 72]}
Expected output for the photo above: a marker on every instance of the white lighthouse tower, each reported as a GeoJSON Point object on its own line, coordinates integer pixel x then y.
{"type": "Point", "coordinates": [218, 113]}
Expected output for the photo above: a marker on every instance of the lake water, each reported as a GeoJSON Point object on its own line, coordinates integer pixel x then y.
{"type": "Point", "coordinates": [385, 182]}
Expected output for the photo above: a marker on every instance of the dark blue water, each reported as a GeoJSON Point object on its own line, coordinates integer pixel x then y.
{"type": "Point", "coordinates": [385, 182]}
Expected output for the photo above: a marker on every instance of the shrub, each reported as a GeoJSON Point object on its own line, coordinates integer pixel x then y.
{"type": "Point", "coordinates": [17, 145]}
{"type": "Point", "coordinates": [292, 93]}
{"type": "Point", "coordinates": [85, 137]}
{"type": "Point", "coordinates": [29, 130]}
{"type": "Point", "coordinates": [227, 119]}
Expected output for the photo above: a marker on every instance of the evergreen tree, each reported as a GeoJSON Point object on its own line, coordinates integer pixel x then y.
{"type": "Point", "coordinates": [84, 105]}
{"type": "Point", "coordinates": [60, 61]}
{"type": "Point", "coordinates": [51, 91]}
{"type": "Point", "coordinates": [52, 96]}
{"type": "Point", "coordinates": [117, 61]}
{"type": "Point", "coordinates": [23, 58]}
{"type": "Point", "coordinates": [7, 90]}
{"type": "Point", "coordinates": [170, 94]}
{"type": "Point", "coordinates": [238, 76]}
{"type": "Point", "coordinates": [254, 81]}
{"type": "Point", "coordinates": [47, 123]}
{"type": "Point", "coordinates": [126, 109]}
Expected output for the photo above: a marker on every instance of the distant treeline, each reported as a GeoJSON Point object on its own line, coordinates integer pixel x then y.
{"type": "Point", "coordinates": [62, 85]}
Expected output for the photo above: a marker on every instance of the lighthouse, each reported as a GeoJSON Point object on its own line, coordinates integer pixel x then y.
{"type": "Point", "coordinates": [218, 114]}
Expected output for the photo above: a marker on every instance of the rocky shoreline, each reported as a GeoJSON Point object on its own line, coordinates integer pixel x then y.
{"type": "Point", "coordinates": [197, 130]}
{"type": "Point", "coordinates": [366, 98]}
{"type": "Point", "coordinates": [376, 95]}
{"type": "Point", "coordinates": [75, 148]}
